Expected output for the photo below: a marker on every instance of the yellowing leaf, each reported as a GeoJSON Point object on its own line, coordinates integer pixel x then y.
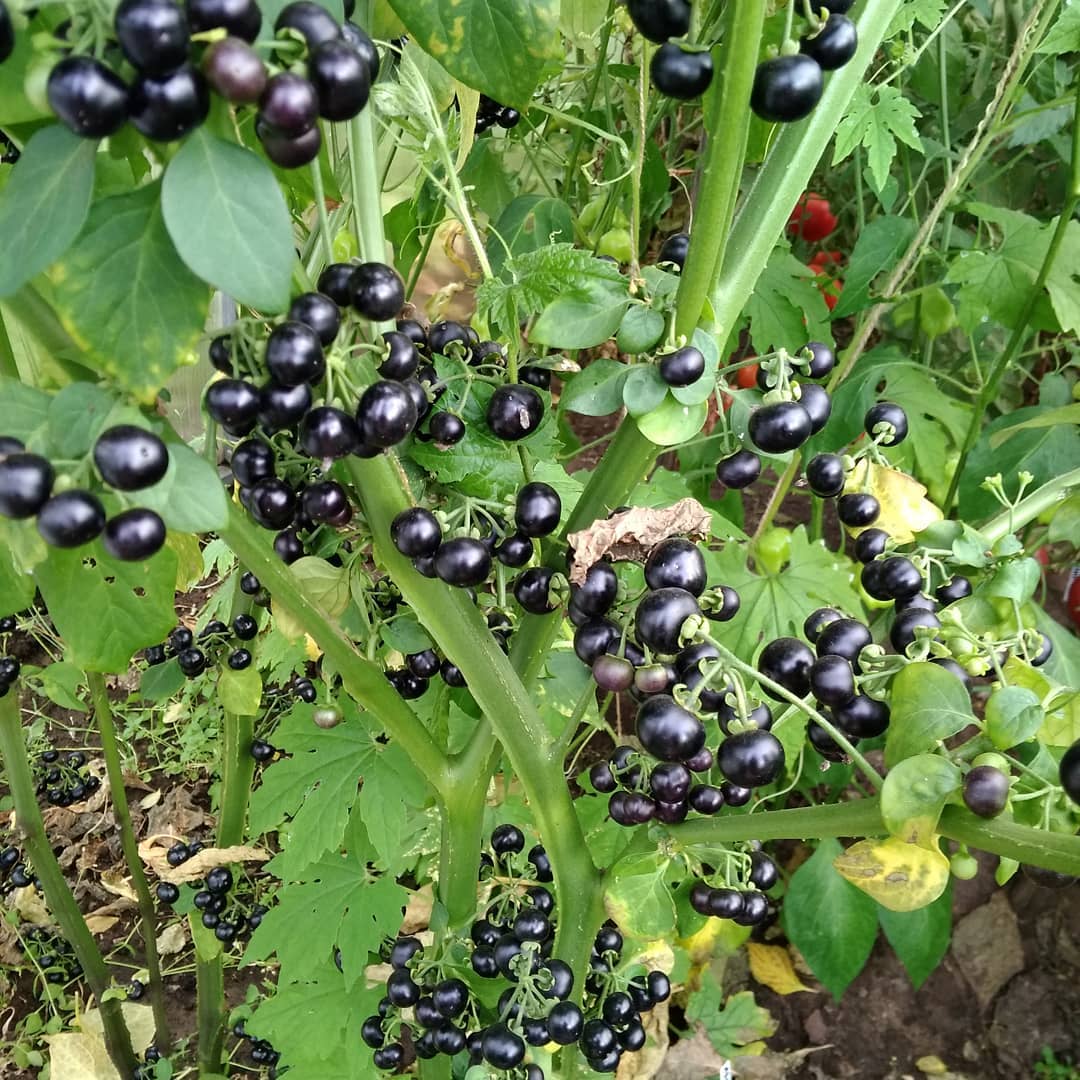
{"type": "Point", "coordinates": [772, 967]}
{"type": "Point", "coordinates": [311, 648]}
{"type": "Point", "coordinates": [75, 1055]}
{"type": "Point", "coordinates": [138, 1019]}
{"type": "Point", "coordinates": [898, 875]}
{"type": "Point", "coordinates": [905, 509]}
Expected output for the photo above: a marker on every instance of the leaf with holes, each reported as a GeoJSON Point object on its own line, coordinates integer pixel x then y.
{"type": "Point", "coordinates": [131, 603]}
{"type": "Point", "coordinates": [124, 295]}
{"type": "Point", "coordinates": [734, 1026]}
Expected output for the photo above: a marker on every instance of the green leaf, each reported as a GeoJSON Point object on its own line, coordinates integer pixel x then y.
{"type": "Point", "coordinates": [1066, 521]}
{"type": "Point", "coordinates": [828, 920]}
{"type": "Point", "coordinates": [786, 308]}
{"type": "Point", "coordinates": [77, 415]}
{"type": "Point", "coordinates": [928, 704]}
{"type": "Point", "coordinates": [638, 897]}
{"type": "Point", "coordinates": [61, 683]}
{"type": "Point", "coordinates": [160, 682]}
{"type": "Point", "coordinates": [672, 422]}
{"type": "Point", "coordinates": [339, 904]}
{"type": "Point", "coordinates": [189, 497]}
{"type": "Point", "coordinates": [920, 938]}
{"type": "Point", "coordinates": [702, 388]}
{"type": "Point", "coordinates": [323, 584]}
{"type": "Point", "coordinates": [1013, 715]}
{"type": "Point", "coordinates": [1067, 414]}
{"type": "Point", "coordinates": [876, 117]}
{"type": "Point", "coordinates": [1064, 35]}
{"type": "Point", "coordinates": [227, 216]}
{"type": "Point", "coordinates": [775, 605]}
{"type": "Point", "coordinates": [528, 223]}
{"type": "Point", "coordinates": [240, 692]}
{"type": "Point", "coordinates": [737, 1027]}
{"type": "Point", "coordinates": [927, 12]}
{"type": "Point", "coordinates": [877, 249]}
{"type": "Point", "coordinates": [640, 330]}
{"type": "Point", "coordinates": [914, 794]}
{"type": "Point", "coordinates": [16, 586]}
{"type": "Point", "coordinates": [105, 610]}
{"type": "Point", "coordinates": [598, 390]}
{"type": "Point", "coordinates": [499, 47]}
{"type": "Point", "coordinates": [124, 295]}
{"type": "Point", "coordinates": [392, 793]}
{"type": "Point", "coordinates": [1016, 580]}
{"type": "Point", "coordinates": [643, 389]}
{"type": "Point", "coordinates": [25, 410]}
{"type": "Point", "coordinates": [580, 322]}
{"type": "Point", "coordinates": [405, 634]}
{"type": "Point", "coordinates": [44, 203]}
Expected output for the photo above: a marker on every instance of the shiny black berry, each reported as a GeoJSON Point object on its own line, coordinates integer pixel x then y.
{"type": "Point", "coordinates": [134, 535]}
{"type": "Point", "coordinates": [538, 509]}
{"type": "Point", "coordinates": [825, 475]}
{"type": "Point", "coordinates": [834, 45]}
{"type": "Point", "coordinates": [681, 73]}
{"type": "Point", "coordinates": [673, 249]}
{"type": "Point", "coordinates": [386, 413]}
{"type": "Point", "coordinates": [341, 78]}
{"type": "Point", "coordinates": [241, 18]}
{"type": "Point", "coordinates": [87, 96]}
{"type": "Point", "coordinates": [858, 508]}
{"type": "Point", "coordinates": [660, 617]}
{"type": "Point", "coordinates": [416, 532]}
{"type": "Point", "coordinates": [787, 661]}
{"type": "Point", "coordinates": [514, 412]}
{"type": "Point", "coordinates": [327, 432]}
{"type": "Point", "coordinates": [667, 730]}
{"type": "Point", "coordinates": [739, 470]}
{"type": "Point", "coordinates": [153, 34]}
{"type": "Point", "coordinates": [289, 106]}
{"type": "Point", "coordinates": [166, 107]}
{"type": "Point", "coordinates": [294, 354]}
{"type": "Point", "coordinates": [463, 562]}
{"type": "Point", "coordinates": [130, 458]}
{"type": "Point", "coordinates": [786, 88]}
{"type": "Point", "coordinates": [751, 759]}
{"type": "Point", "coordinates": [235, 71]}
{"type": "Point", "coordinates": [71, 519]}
{"type": "Point", "coordinates": [377, 290]}
{"type": "Point", "coordinates": [659, 20]}
{"type": "Point", "coordinates": [312, 21]}
{"type": "Point", "coordinates": [776, 429]}
{"type": "Point", "coordinates": [234, 404]}
{"type": "Point", "coordinates": [26, 481]}
{"type": "Point", "coordinates": [683, 366]}
{"type": "Point", "coordinates": [252, 460]}
{"type": "Point", "coordinates": [676, 563]}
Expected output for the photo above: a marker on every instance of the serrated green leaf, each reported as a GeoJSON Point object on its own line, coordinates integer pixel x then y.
{"type": "Point", "coordinates": [132, 603]}
{"type": "Point", "coordinates": [44, 203]}
{"type": "Point", "coordinates": [229, 221]}
{"type": "Point", "coordinates": [323, 584]}
{"type": "Point", "coordinates": [240, 691]}
{"type": "Point", "coordinates": [127, 299]}
{"type": "Point", "coordinates": [498, 47]}
{"type": "Point", "coordinates": [914, 794]}
{"type": "Point", "coordinates": [528, 223]}
{"type": "Point", "coordinates": [876, 117]}
{"type": "Point", "coordinates": [830, 922]}
{"type": "Point", "coordinates": [1064, 35]}
{"type": "Point", "coordinates": [926, 12]}
{"type": "Point", "coordinates": [775, 605]}
{"type": "Point", "coordinates": [928, 704]}
{"type": "Point", "coordinates": [392, 793]}
{"type": "Point", "coordinates": [734, 1026]}
{"type": "Point", "coordinates": [920, 938]}
{"type": "Point", "coordinates": [786, 308]}
{"type": "Point", "coordinates": [877, 249]}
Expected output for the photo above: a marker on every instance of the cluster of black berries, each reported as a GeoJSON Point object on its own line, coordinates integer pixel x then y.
{"type": "Point", "coordinates": [677, 71]}
{"type": "Point", "coordinates": [147, 1070]}
{"type": "Point", "coordinates": [9, 672]}
{"type": "Point", "coordinates": [168, 95]}
{"type": "Point", "coordinates": [14, 873]}
{"type": "Point", "coordinates": [128, 458]}
{"type": "Point", "coordinates": [62, 779]}
{"type": "Point", "coordinates": [412, 680]}
{"type": "Point", "coordinates": [260, 1052]}
{"type": "Point", "coordinates": [467, 561]}
{"type": "Point", "coordinates": [213, 898]}
{"type": "Point", "coordinates": [745, 903]}
{"type": "Point", "coordinates": [193, 655]}
{"type": "Point", "coordinates": [490, 113]}
{"type": "Point", "coordinates": [51, 954]}
{"type": "Point", "coordinates": [788, 87]}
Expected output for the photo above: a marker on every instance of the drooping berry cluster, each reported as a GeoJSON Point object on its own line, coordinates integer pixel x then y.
{"type": "Point", "coordinates": [9, 672]}
{"type": "Point", "coordinates": [212, 898]}
{"type": "Point", "coordinates": [14, 872]}
{"type": "Point", "coordinates": [490, 113]}
{"type": "Point", "coordinates": [260, 1052]}
{"type": "Point", "coordinates": [193, 655]}
{"type": "Point", "coordinates": [51, 954]}
{"type": "Point", "coordinates": [742, 899]}
{"type": "Point", "coordinates": [63, 779]}
{"type": "Point", "coordinates": [127, 458]}
{"type": "Point", "coordinates": [156, 73]}
{"type": "Point", "coordinates": [677, 70]}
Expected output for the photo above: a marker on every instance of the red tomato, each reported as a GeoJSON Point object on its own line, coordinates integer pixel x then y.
{"type": "Point", "coordinates": [823, 261]}
{"type": "Point", "coordinates": [746, 377]}
{"type": "Point", "coordinates": [812, 219]}
{"type": "Point", "coordinates": [831, 293]}
{"type": "Point", "coordinates": [1042, 556]}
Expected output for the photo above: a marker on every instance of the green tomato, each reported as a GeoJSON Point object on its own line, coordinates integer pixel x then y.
{"type": "Point", "coordinates": [590, 216]}
{"type": "Point", "coordinates": [616, 244]}
{"type": "Point", "coordinates": [345, 246]}
{"type": "Point", "coordinates": [963, 866]}
{"type": "Point", "coordinates": [773, 549]}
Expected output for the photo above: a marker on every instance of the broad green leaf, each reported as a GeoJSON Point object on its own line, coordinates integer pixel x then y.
{"type": "Point", "coordinates": [124, 295]}
{"type": "Point", "coordinates": [240, 692]}
{"type": "Point", "coordinates": [528, 223]}
{"type": "Point", "coordinates": [598, 390]}
{"type": "Point", "coordinates": [643, 389]}
{"type": "Point", "coordinates": [928, 704]}
{"type": "Point", "coordinates": [405, 634]}
{"type": "Point", "coordinates": [106, 610]}
{"type": "Point", "coordinates": [920, 938]}
{"type": "Point", "coordinates": [1064, 35]}
{"type": "Point", "coordinates": [228, 219]}
{"type": "Point", "coordinates": [499, 47]}
{"type": "Point", "coordinates": [876, 117]}
{"type": "Point", "coordinates": [638, 897]}
{"type": "Point", "coordinates": [189, 497]}
{"type": "Point", "coordinates": [323, 584]}
{"type": "Point", "coordinates": [703, 388]}
{"type": "Point", "coordinates": [735, 1026]}
{"type": "Point", "coordinates": [61, 683]}
{"type": "Point", "coordinates": [16, 106]}
{"type": "Point", "coordinates": [1063, 282]}
{"type": "Point", "coordinates": [672, 422]}
{"type": "Point", "coordinates": [1066, 522]}
{"type": "Point", "coordinates": [640, 330]}
{"type": "Point", "coordinates": [77, 415]}
{"type": "Point", "coordinates": [914, 794]}
{"type": "Point", "coordinates": [1013, 715]}
{"type": "Point", "coordinates": [877, 249]}
{"type": "Point", "coordinates": [1016, 580]}
{"type": "Point", "coordinates": [580, 322]}
{"type": "Point", "coordinates": [25, 410]}
{"type": "Point", "coordinates": [44, 203]}
{"type": "Point", "coordinates": [1067, 414]}
{"type": "Point", "coordinates": [775, 605]}
{"type": "Point", "coordinates": [831, 923]}
{"type": "Point", "coordinates": [16, 586]}
{"type": "Point", "coordinates": [899, 875]}
{"type": "Point", "coordinates": [786, 308]}
{"type": "Point", "coordinates": [160, 682]}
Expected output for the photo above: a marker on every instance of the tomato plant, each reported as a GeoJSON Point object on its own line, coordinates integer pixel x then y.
{"type": "Point", "coordinates": [493, 729]}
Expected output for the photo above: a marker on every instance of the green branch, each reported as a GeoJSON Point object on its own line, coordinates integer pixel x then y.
{"type": "Point", "coordinates": [60, 900]}
{"type": "Point", "coordinates": [110, 750]}
{"type": "Point", "coordinates": [1030, 507]}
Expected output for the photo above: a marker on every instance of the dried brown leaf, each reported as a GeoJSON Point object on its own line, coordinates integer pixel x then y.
{"type": "Point", "coordinates": [418, 911]}
{"type": "Point", "coordinates": [172, 939]}
{"type": "Point", "coordinates": [152, 852]}
{"type": "Point", "coordinates": [633, 533]}
{"type": "Point", "coordinates": [176, 815]}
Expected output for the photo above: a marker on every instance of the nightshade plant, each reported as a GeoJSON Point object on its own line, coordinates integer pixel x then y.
{"type": "Point", "coordinates": [574, 705]}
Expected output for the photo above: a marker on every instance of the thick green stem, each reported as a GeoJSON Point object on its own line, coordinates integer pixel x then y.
{"type": "Point", "coordinates": [1020, 331]}
{"type": "Point", "coordinates": [110, 750]}
{"type": "Point", "coordinates": [61, 903]}
{"type": "Point", "coordinates": [1029, 508]}
{"type": "Point", "coordinates": [462, 833]}
{"type": "Point", "coordinates": [210, 1010]}
{"type": "Point", "coordinates": [363, 680]}
{"type": "Point", "coordinates": [1053, 851]}
{"type": "Point", "coordinates": [237, 771]}
{"type": "Point", "coordinates": [364, 174]}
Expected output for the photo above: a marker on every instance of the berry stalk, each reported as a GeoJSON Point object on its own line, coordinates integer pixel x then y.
{"type": "Point", "coordinates": [60, 900]}
{"type": "Point", "coordinates": [99, 698]}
